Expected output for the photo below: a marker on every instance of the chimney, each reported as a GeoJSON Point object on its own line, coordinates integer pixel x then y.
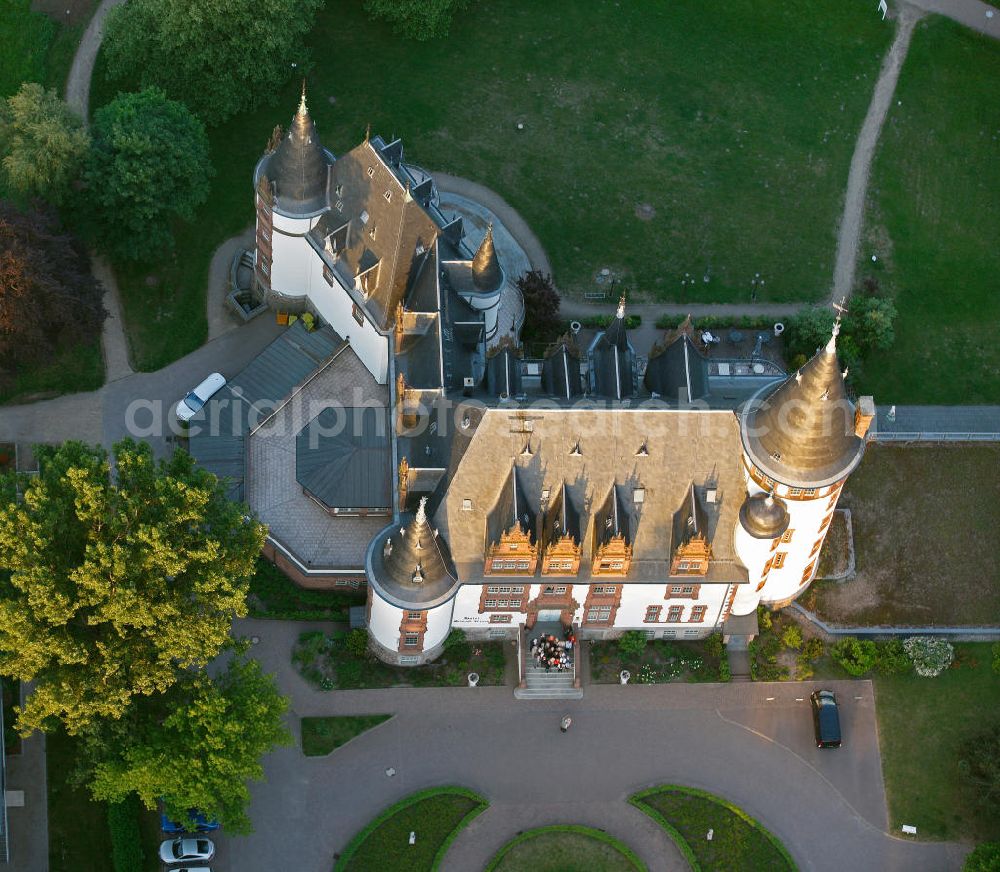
{"type": "Point", "coordinates": [864, 414]}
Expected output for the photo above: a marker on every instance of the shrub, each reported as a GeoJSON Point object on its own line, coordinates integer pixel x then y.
{"type": "Point", "coordinates": [803, 668]}
{"type": "Point", "coordinates": [979, 763]}
{"type": "Point", "coordinates": [930, 655]}
{"type": "Point", "coordinates": [455, 637]}
{"type": "Point", "coordinates": [791, 637]}
{"type": "Point", "coordinates": [126, 843]}
{"type": "Point", "coordinates": [714, 646]}
{"type": "Point", "coordinates": [892, 658]}
{"type": "Point", "coordinates": [725, 673]}
{"type": "Point", "coordinates": [632, 644]}
{"type": "Point", "coordinates": [984, 858]}
{"type": "Point", "coordinates": [813, 649]}
{"type": "Point", "coordinates": [356, 642]}
{"type": "Point", "coordinates": [856, 656]}
{"type": "Point", "coordinates": [763, 618]}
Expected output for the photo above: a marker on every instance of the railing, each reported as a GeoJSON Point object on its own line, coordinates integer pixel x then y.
{"type": "Point", "coordinates": [577, 654]}
{"type": "Point", "coordinates": [522, 675]}
{"type": "Point", "coordinates": [927, 436]}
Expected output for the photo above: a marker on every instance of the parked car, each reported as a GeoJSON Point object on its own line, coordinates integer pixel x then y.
{"type": "Point", "coordinates": [193, 402]}
{"type": "Point", "coordinates": [191, 869]}
{"type": "Point", "coordinates": [186, 850]}
{"type": "Point", "coordinates": [826, 718]}
{"type": "Point", "coordinates": [196, 822]}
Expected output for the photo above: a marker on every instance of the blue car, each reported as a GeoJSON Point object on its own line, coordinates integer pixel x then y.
{"type": "Point", "coordinates": [196, 823]}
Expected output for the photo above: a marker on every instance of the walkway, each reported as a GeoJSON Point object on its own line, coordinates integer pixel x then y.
{"type": "Point", "coordinates": [937, 424]}
{"type": "Point", "coordinates": [749, 742]}
{"type": "Point", "coordinates": [972, 13]}
{"type": "Point", "coordinates": [864, 150]}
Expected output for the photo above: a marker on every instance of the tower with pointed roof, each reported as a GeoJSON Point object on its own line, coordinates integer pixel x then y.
{"type": "Point", "coordinates": [800, 441]}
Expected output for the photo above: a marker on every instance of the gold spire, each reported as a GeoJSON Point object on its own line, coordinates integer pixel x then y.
{"type": "Point", "coordinates": [486, 272]}
{"type": "Point", "coordinates": [368, 132]}
{"type": "Point", "coordinates": [303, 109]}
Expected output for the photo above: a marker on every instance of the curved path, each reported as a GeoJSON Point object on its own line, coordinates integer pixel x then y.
{"type": "Point", "coordinates": [849, 235]}
{"type": "Point", "coordinates": [749, 742]}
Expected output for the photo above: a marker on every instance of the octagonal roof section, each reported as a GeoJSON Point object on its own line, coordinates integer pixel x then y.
{"type": "Point", "coordinates": [343, 459]}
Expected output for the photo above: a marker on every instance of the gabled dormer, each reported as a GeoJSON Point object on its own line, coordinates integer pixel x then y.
{"type": "Point", "coordinates": [692, 551]}
{"type": "Point", "coordinates": [511, 533]}
{"type": "Point", "coordinates": [561, 539]}
{"type": "Point", "coordinates": [612, 554]}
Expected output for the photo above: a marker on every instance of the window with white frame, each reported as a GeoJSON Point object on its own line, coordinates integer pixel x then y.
{"type": "Point", "coordinates": [674, 614]}
{"type": "Point", "coordinates": [554, 589]}
{"type": "Point", "coordinates": [599, 613]}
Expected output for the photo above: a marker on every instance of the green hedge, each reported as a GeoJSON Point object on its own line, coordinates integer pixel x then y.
{"type": "Point", "coordinates": [126, 842]}
{"type": "Point", "coordinates": [639, 800]}
{"type": "Point", "coordinates": [715, 322]}
{"type": "Point", "coordinates": [597, 835]}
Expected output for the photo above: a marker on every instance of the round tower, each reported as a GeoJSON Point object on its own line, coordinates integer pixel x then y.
{"type": "Point", "coordinates": [801, 440]}
{"type": "Point", "coordinates": [290, 182]}
{"type": "Point", "coordinates": [411, 591]}
{"type": "Point", "coordinates": [487, 283]}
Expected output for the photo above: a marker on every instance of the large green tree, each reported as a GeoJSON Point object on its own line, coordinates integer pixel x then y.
{"type": "Point", "coordinates": [196, 747]}
{"type": "Point", "coordinates": [149, 164]}
{"type": "Point", "coordinates": [218, 56]}
{"type": "Point", "coordinates": [112, 586]}
{"type": "Point", "coordinates": [43, 143]}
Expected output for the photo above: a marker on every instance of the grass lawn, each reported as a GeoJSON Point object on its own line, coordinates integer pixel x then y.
{"type": "Point", "coordinates": [435, 815]}
{"type": "Point", "coordinates": [739, 842]}
{"type": "Point", "coordinates": [921, 722]}
{"type": "Point", "coordinates": [924, 519]}
{"type": "Point", "coordinates": [562, 848]}
{"type": "Point", "coordinates": [320, 736]}
{"type": "Point", "coordinates": [834, 558]}
{"type": "Point", "coordinates": [273, 595]}
{"type": "Point", "coordinates": [934, 220]}
{"type": "Point", "coordinates": [326, 663]}
{"type": "Point", "coordinates": [78, 368]}
{"type": "Point", "coordinates": [650, 146]}
{"type": "Point", "coordinates": [79, 837]}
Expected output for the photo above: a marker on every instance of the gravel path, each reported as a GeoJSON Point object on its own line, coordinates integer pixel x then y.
{"type": "Point", "coordinates": [857, 179]}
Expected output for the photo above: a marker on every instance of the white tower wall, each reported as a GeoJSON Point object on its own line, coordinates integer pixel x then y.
{"type": "Point", "coordinates": [385, 620]}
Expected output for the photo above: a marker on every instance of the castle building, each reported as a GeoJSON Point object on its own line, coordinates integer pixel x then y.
{"type": "Point", "coordinates": [413, 445]}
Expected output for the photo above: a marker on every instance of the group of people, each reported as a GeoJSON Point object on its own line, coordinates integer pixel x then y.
{"type": "Point", "coordinates": [553, 653]}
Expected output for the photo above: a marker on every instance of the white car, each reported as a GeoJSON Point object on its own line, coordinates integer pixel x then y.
{"type": "Point", "coordinates": [192, 403]}
{"type": "Point", "coordinates": [186, 850]}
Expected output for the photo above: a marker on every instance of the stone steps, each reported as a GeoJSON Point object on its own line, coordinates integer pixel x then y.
{"type": "Point", "coordinates": [548, 685]}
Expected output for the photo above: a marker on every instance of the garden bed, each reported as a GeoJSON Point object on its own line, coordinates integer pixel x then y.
{"type": "Point", "coordinates": [659, 661]}
{"type": "Point", "coordinates": [340, 661]}
{"type": "Point", "coordinates": [436, 815]}
{"type": "Point", "coordinates": [565, 847]}
{"type": "Point", "coordinates": [274, 595]}
{"type": "Point", "coordinates": [739, 842]}
{"type": "Point", "coordinates": [835, 558]}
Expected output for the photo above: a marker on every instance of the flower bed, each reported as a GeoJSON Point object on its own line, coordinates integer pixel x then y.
{"type": "Point", "coordinates": [660, 661]}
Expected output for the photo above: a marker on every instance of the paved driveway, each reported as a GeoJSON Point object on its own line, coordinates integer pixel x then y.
{"type": "Point", "coordinates": [827, 807]}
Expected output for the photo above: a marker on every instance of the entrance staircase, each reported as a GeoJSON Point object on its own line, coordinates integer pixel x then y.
{"type": "Point", "coordinates": [548, 685]}
{"type": "Point", "coordinates": [738, 653]}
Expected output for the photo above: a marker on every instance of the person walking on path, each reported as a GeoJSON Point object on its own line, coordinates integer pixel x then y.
{"type": "Point", "coordinates": [565, 723]}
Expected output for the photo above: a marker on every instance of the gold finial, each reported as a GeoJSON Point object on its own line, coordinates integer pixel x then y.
{"type": "Point", "coordinates": [303, 110]}
{"type": "Point", "coordinates": [368, 132]}
{"type": "Point", "coordinates": [621, 307]}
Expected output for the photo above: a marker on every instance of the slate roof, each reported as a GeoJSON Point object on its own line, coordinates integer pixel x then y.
{"type": "Point", "coordinates": [343, 458]}
{"type": "Point", "coordinates": [684, 446]}
{"type": "Point", "coordinates": [561, 518]}
{"type": "Point", "coordinates": [612, 519]}
{"type": "Point", "coordinates": [677, 371]}
{"type": "Point", "coordinates": [690, 519]}
{"type": "Point", "coordinates": [219, 431]}
{"type": "Point", "coordinates": [503, 373]}
{"type": "Point", "coordinates": [298, 167]}
{"type": "Point", "coordinates": [802, 432]}
{"type": "Point", "coordinates": [612, 361]}
{"type": "Point", "coordinates": [561, 371]}
{"type": "Point", "coordinates": [414, 555]}
{"type": "Point", "coordinates": [510, 507]}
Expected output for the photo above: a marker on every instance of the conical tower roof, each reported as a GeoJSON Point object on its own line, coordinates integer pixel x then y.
{"type": "Point", "coordinates": [486, 272]}
{"type": "Point", "coordinates": [414, 555]}
{"type": "Point", "coordinates": [298, 166]}
{"type": "Point", "coordinates": [802, 433]}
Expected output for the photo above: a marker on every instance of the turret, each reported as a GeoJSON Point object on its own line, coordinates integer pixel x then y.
{"type": "Point", "coordinates": [486, 272]}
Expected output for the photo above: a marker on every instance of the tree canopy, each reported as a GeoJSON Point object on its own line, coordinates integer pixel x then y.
{"type": "Point", "coordinates": [416, 19]}
{"type": "Point", "coordinates": [149, 163]}
{"type": "Point", "coordinates": [219, 56]}
{"type": "Point", "coordinates": [195, 748]}
{"type": "Point", "coordinates": [43, 143]}
{"type": "Point", "coordinates": [111, 587]}
{"type": "Point", "coordinates": [48, 297]}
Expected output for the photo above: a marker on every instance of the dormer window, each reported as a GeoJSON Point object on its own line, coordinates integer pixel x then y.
{"type": "Point", "coordinates": [371, 172]}
{"type": "Point", "coordinates": [363, 217]}
{"type": "Point", "coordinates": [388, 196]}
{"type": "Point", "coordinates": [339, 205]}
{"type": "Point", "coordinates": [371, 232]}
{"type": "Point", "coordinates": [339, 190]}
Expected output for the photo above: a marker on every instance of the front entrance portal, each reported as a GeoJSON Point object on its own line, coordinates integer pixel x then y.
{"type": "Point", "coordinates": [548, 616]}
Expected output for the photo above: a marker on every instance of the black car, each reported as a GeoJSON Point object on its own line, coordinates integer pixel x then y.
{"type": "Point", "coordinates": [826, 718]}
